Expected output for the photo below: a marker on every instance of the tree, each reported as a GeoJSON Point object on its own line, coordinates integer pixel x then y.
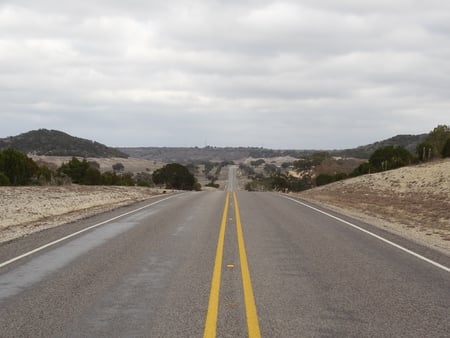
{"type": "Point", "coordinates": [362, 169]}
{"type": "Point", "coordinates": [271, 169]}
{"type": "Point", "coordinates": [425, 151]}
{"type": "Point", "coordinates": [17, 167]}
{"type": "Point", "coordinates": [438, 138]}
{"type": "Point", "coordinates": [92, 177]}
{"type": "Point", "coordinates": [175, 176]}
{"type": "Point", "coordinates": [446, 150]}
{"type": "Point", "coordinates": [144, 179]}
{"type": "Point", "coordinates": [390, 157]}
{"type": "Point", "coordinates": [4, 180]}
{"type": "Point", "coordinates": [81, 172]}
{"type": "Point", "coordinates": [45, 174]}
{"type": "Point", "coordinates": [208, 167]}
{"type": "Point", "coordinates": [323, 179]}
{"type": "Point", "coordinates": [279, 182]}
{"type": "Point", "coordinates": [118, 167]}
{"type": "Point", "coordinates": [257, 163]}
{"type": "Point", "coordinates": [110, 178]}
{"type": "Point", "coordinates": [75, 169]}
{"type": "Point", "coordinates": [126, 179]}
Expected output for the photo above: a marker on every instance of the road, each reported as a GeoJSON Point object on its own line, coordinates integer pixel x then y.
{"type": "Point", "coordinates": [225, 264]}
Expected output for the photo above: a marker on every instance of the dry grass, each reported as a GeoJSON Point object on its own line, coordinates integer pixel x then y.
{"type": "Point", "coordinates": [131, 164]}
{"type": "Point", "coordinates": [25, 210]}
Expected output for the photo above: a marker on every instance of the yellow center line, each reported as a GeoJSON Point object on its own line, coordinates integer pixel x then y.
{"type": "Point", "coordinates": [250, 306]}
{"type": "Point", "coordinates": [213, 305]}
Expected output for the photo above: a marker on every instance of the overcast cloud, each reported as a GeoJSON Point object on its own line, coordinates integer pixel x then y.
{"type": "Point", "coordinates": [291, 74]}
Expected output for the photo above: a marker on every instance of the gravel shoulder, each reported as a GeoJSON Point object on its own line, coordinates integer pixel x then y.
{"type": "Point", "coordinates": [25, 210]}
{"type": "Point", "coordinates": [413, 202]}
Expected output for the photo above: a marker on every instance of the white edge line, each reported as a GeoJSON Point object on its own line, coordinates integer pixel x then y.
{"type": "Point", "coordinates": [12, 260]}
{"type": "Point", "coordinates": [443, 267]}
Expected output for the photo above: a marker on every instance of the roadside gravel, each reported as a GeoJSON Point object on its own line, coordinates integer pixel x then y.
{"type": "Point", "coordinates": [25, 210]}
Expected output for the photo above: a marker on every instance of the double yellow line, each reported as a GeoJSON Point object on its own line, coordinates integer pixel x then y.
{"type": "Point", "coordinates": [213, 306]}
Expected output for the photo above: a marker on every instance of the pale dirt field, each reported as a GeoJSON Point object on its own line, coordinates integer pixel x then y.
{"type": "Point", "coordinates": [412, 201]}
{"type": "Point", "coordinates": [24, 210]}
{"type": "Point", "coordinates": [131, 164]}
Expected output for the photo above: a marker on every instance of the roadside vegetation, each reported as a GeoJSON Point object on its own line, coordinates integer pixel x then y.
{"type": "Point", "coordinates": [17, 169]}
{"type": "Point", "coordinates": [208, 172]}
{"type": "Point", "coordinates": [313, 168]}
{"type": "Point", "coordinates": [306, 173]}
{"type": "Point", "coordinates": [175, 176]}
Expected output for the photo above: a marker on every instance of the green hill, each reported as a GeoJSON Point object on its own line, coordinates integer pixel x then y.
{"type": "Point", "coordinates": [409, 142]}
{"type": "Point", "coordinates": [57, 143]}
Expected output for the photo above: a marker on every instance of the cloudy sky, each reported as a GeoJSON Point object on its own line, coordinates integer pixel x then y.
{"type": "Point", "coordinates": [279, 74]}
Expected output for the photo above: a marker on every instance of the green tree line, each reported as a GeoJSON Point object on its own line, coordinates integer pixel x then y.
{"type": "Point", "coordinates": [435, 146]}
{"type": "Point", "coordinates": [17, 169]}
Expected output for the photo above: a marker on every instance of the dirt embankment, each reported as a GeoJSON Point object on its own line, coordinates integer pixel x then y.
{"type": "Point", "coordinates": [412, 201]}
{"type": "Point", "coordinates": [25, 210]}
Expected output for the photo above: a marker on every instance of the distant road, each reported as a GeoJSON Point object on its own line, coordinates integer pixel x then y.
{"type": "Point", "coordinates": [230, 264]}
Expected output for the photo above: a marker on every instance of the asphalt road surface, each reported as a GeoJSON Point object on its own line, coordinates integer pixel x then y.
{"type": "Point", "coordinates": [225, 264]}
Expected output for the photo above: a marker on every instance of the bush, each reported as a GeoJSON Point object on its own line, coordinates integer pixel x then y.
{"type": "Point", "coordinates": [17, 167]}
{"type": "Point", "coordinates": [390, 157]}
{"type": "Point", "coordinates": [92, 177]}
{"type": "Point", "coordinates": [446, 149]}
{"type": "Point", "coordinates": [144, 179]}
{"type": "Point", "coordinates": [4, 180]}
{"type": "Point", "coordinates": [362, 169]}
{"type": "Point", "coordinates": [45, 175]}
{"type": "Point", "coordinates": [438, 138]}
{"type": "Point", "coordinates": [435, 144]}
{"type": "Point", "coordinates": [118, 167]}
{"type": "Point", "coordinates": [257, 163]}
{"type": "Point", "coordinates": [175, 176]}
{"type": "Point", "coordinates": [425, 151]}
{"type": "Point", "coordinates": [81, 172]}
{"type": "Point", "coordinates": [75, 169]}
{"type": "Point", "coordinates": [324, 179]}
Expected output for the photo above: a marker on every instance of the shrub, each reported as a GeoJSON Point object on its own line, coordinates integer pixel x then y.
{"type": "Point", "coordinates": [17, 167]}
{"type": "Point", "coordinates": [81, 172]}
{"type": "Point", "coordinates": [4, 180]}
{"type": "Point", "coordinates": [175, 176]}
{"type": "Point", "coordinates": [323, 179]}
{"type": "Point", "coordinates": [390, 157]}
{"type": "Point", "coordinates": [446, 149]}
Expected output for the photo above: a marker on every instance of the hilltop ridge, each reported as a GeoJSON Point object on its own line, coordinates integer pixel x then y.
{"type": "Point", "coordinates": [45, 142]}
{"type": "Point", "coordinates": [57, 143]}
{"type": "Point", "coordinates": [186, 154]}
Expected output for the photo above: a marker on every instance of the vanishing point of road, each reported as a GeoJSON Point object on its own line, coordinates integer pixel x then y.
{"type": "Point", "coordinates": [222, 264]}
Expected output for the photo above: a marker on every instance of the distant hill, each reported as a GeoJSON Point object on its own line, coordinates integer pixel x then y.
{"type": "Point", "coordinates": [409, 142]}
{"type": "Point", "coordinates": [57, 143]}
{"type": "Point", "coordinates": [184, 155]}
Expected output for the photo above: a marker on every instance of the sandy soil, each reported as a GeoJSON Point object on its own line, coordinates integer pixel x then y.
{"type": "Point", "coordinates": [25, 210]}
{"type": "Point", "coordinates": [412, 201]}
{"type": "Point", "coordinates": [131, 164]}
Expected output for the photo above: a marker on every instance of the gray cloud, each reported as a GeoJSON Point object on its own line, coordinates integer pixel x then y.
{"type": "Point", "coordinates": [291, 74]}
